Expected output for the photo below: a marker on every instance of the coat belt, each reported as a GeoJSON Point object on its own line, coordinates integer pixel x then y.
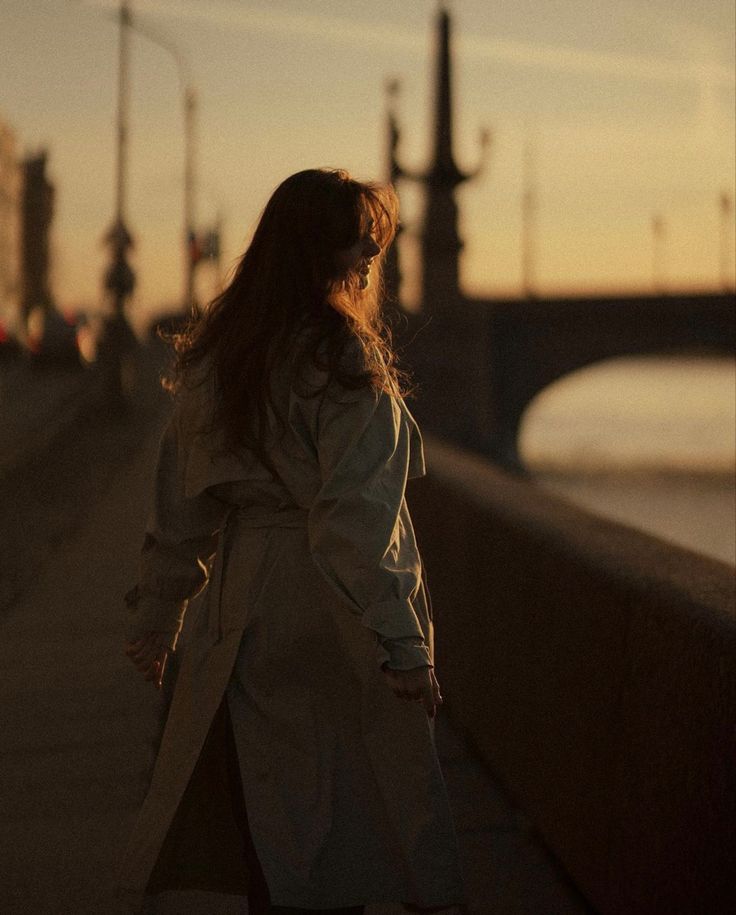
{"type": "Point", "coordinates": [243, 516]}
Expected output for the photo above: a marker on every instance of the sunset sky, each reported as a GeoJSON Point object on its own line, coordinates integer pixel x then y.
{"type": "Point", "coordinates": [628, 106]}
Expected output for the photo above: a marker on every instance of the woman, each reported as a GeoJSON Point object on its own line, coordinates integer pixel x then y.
{"type": "Point", "coordinates": [306, 689]}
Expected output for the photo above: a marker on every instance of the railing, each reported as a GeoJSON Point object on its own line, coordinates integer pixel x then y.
{"type": "Point", "coordinates": [594, 669]}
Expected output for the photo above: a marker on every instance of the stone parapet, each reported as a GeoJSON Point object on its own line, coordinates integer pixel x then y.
{"type": "Point", "coordinates": [594, 669]}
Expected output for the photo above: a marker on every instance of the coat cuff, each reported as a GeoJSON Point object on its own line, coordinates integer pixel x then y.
{"type": "Point", "coordinates": [148, 613]}
{"type": "Point", "coordinates": [403, 654]}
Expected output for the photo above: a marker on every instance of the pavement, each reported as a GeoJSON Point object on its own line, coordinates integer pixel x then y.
{"type": "Point", "coordinates": [38, 402]}
{"type": "Point", "coordinates": [79, 724]}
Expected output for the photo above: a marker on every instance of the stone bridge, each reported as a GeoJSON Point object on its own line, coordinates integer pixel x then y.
{"type": "Point", "coordinates": [480, 363]}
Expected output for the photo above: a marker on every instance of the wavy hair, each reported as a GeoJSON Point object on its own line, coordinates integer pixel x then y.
{"type": "Point", "coordinates": [288, 282]}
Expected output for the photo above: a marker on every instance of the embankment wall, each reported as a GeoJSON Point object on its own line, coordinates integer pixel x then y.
{"type": "Point", "coordinates": [594, 669]}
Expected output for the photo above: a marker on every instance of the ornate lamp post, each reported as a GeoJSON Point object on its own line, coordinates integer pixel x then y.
{"type": "Point", "coordinates": [189, 96]}
{"type": "Point", "coordinates": [119, 279]}
{"type": "Point", "coordinates": [449, 360]}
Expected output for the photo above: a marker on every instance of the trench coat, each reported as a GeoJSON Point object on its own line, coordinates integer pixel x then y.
{"type": "Point", "coordinates": [312, 581]}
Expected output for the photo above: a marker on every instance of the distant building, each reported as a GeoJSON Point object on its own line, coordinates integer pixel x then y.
{"type": "Point", "coordinates": [37, 210]}
{"type": "Point", "coordinates": [10, 191]}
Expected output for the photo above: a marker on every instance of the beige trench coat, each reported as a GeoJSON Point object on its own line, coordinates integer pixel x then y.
{"type": "Point", "coordinates": [316, 581]}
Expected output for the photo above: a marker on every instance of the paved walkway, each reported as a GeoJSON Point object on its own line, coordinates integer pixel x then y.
{"type": "Point", "coordinates": [36, 403]}
{"type": "Point", "coordinates": [77, 724]}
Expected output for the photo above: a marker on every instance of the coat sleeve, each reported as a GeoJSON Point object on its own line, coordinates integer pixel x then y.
{"type": "Point", "coordinates": [180, 538]}
{"type": "Point", "coordinates": [357, 528]}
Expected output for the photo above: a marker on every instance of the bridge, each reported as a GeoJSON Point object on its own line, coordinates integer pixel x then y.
{"type": "Point", "coordinates": [482, 362]}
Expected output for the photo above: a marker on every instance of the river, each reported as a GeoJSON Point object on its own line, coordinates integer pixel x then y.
{"type": "Point", "coordinates": [648, 441]}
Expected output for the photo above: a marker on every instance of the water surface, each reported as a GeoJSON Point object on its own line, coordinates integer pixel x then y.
{"type": "Point", "coordinates": [648, 441]}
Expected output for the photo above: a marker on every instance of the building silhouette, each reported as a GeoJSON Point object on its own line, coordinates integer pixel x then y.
{"type": "Point", "coordinates": [37, 211]}
{"type": "Point", "coordinates": [10, 189]}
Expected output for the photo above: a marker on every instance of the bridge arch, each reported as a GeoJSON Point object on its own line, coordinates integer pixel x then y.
{"type": "Point", "coordinates": [633, 412]}
{"type": "Point", "coordinates": [533, 344]}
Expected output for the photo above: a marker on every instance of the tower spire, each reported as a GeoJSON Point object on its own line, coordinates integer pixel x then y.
{"type": "Point", "coordinates": [441, 243]}
{"type": "Point", "coordinates": [443, 168]}
{"type": "Point", "coordinates": [451, 357]}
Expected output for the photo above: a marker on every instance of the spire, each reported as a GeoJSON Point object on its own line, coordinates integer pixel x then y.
{"type": "Point", "coordinates": [441, 243]}
{"type": "Point", "coordinates": [451, 353]}
{"type": "Point", "coordinates": [443, 169]}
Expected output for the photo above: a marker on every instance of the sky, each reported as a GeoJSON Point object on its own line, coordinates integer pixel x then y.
{"type": "Point", "coordinates": [628, 109]}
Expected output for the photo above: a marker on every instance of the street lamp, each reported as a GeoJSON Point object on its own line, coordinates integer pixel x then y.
{"type": "Point", "coordinates": [659, 240]}
{"type": "Point", "coordinates": [725, 205]}
{"type": "Point", "coordinates": [190, 177]}
{"type": "Point", "coordinates": [119, 278]}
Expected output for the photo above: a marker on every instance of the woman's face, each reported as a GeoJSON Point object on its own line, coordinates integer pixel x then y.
{"type": "Point", "coordinates": [358, 258]}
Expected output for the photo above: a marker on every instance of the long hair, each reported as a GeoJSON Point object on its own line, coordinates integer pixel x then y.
{"type": "Point", "coordinates": [289, 281]}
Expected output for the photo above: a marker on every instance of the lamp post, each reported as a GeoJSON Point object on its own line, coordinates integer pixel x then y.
{"type": "Point", "coordinates": [119, 279]}
{"type": "Point", "coordinates": [190, 236]}
{"type": "Point", "coordinates": [725, 206]}
{"type": "Point", "coordinates": [529, 205]}
{"type": "Point", "coordinates": [189, 96]}
{"type": "Point", "coordinates": [659, 238]}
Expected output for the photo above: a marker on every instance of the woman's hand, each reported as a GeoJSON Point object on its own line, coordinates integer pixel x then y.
{"type": "Point", "coordinates": [149, 655]}
{"type": "Point", "coordinates": [419, 684]}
